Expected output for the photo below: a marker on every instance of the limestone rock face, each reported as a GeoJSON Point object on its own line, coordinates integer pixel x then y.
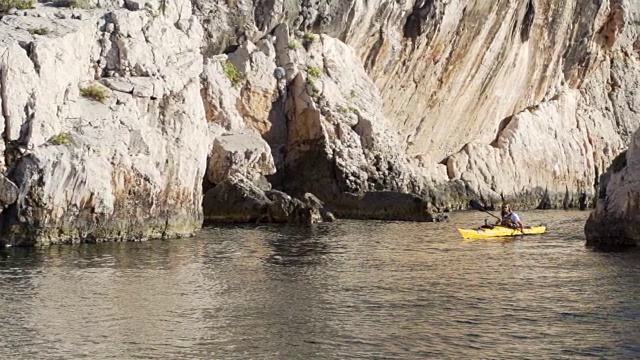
{"type": "Point", "coordinates": [615, 223]}
{"type": "Point", "coordinates": [471, 88]}
{"type": "Point", "coordinates": [240, 153]}
{"type": "Point", "coordinates": [337, 133]}
{"type": "Point", "coordinates": [320, 113]}
{"type": "Point", "coordinates": [8, 192]}
{"type": "Point", "coordinates": [104, 125]}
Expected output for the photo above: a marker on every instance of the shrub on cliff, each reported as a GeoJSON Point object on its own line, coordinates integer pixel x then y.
{"type": "Point", "coordinates": [232, 73]}
{"type": "Point", "coordinates": [76, 4]}
{"type": "Point", "coordinates": [38, 31]}
{"type": "Point", "coordinates": [294, 45]}
{"type": "Point", "coordinates": [6, 5]}
{"type": "Point", "coordinates": [60, 139]}
{"type": "Point", "coordinates": [314, 72]}
{"type": "Point", "coordinates": [94, 92]}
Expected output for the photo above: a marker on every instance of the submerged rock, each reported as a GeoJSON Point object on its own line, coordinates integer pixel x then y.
{"type": "Point", "coordinates": [385, 205]}
{"type": "Point", "coordinates": [238, 200]}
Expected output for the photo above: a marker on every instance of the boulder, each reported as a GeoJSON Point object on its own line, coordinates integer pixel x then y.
{"type": "Point", "coordinates": [238, 200]}
{"type": "Point", "coordinates": [284, 208]}
{"type": "Point", "coordinates": [384, 205]}
{"type": "Point", "coordinates": [242, 153]}
{"type": "Point", "coordinates": [235, 200]}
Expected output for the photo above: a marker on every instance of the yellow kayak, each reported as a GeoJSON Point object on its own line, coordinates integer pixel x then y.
{"type": "Point", "coordinates": [496, 231]}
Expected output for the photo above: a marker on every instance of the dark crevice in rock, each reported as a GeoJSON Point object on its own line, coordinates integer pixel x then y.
{"type": "Point", "coordinates": [578, 58]}
{"type": "Point", "coordinates": [527, 22]}
{"type": "Point", "coordinates": [29, 48]}
{"type": "Point", "coordinates": [503, 125]}
{"type": "Point", "coordinates": [276, 137]}
{"type": "Point", "coordinates": [230, 49]}
{"type": "Point", "coordinates": [351, 15]}
{"type": "Point", "coordinates": [262, 14]}
{"type": "Point", "coordinates": [609, 32]}
{"type": "Point", "coordinates": [370, 61]}
{"type": "Point", "coordinates": [415, 23]}
{"type": "Point", "coordinates": [29, 114]}
{"type": "Point", "coordinates": [112, 54]}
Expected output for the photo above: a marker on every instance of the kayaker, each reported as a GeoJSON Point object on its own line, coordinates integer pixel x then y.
{"type": "Point", "coordinates": [510, 219]}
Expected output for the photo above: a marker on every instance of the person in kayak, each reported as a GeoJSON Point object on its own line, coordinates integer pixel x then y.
{"type": "Point", "coordinates": [510, 219]}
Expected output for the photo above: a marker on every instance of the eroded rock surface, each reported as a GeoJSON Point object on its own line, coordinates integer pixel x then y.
{"type": "Point", "coordinates": [615, 223]}
{"type": "Point", "coordinates": [321, 115]}
{"type": "Point", "coordinates": [240, 153]}
{"type": "Point", "coordinates": [105, 123]}
{"type": "Point", "coordinates": [519, 100]}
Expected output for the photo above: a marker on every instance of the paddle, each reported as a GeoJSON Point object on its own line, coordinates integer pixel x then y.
{"type": "Point", "coordinates": [477, 206]}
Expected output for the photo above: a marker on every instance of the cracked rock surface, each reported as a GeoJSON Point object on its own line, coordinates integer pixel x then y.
{"type": "Point", "coordinates": [104, 134]}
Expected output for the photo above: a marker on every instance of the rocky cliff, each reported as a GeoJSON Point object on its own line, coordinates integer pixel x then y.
{"type": "Point", "coordinates": [525, 100]}
{"type": "Point", "coordinates": [615, 222]}
{"type": "Point", "coordinates": [115, 115]}
{"type": "Point", "coordinates": [104, 132]}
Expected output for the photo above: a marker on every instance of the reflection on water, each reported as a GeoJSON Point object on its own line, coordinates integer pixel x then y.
{"type": "Point", "coordinates": [350, 289]}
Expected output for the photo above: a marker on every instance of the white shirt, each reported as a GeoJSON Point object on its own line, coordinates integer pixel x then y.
{"type": "Point", "coordinates": [513, 217]}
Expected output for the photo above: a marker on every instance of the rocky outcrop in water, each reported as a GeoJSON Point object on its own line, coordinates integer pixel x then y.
{"type": "Point", "coordinates": [105, 136]}
{"type": "Point", "coordinates": [117, 119]}
{"type": "Point", "coordinates": [615, 223]}
{"type": "Point", "coordinates": [238, 200]}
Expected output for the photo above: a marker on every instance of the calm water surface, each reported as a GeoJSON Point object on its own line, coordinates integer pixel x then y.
{"type": "Point", "coordinates": [336, 291]}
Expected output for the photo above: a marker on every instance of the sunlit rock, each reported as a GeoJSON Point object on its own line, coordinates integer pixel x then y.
{"type": "Point", "coordinates": [105, 113]}
{"type": "Point", "coordinates": [240, 153]}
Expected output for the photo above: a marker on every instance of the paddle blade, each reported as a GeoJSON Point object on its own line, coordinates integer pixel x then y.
{"type": "Point", "coordinates": [476, 205]}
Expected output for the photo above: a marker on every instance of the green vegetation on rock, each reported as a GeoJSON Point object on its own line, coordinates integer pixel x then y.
{"type": "Point", "coordinates": [94, 92]}
{"type": "Point", "coordinates": [74, 4]}
{"type": "Point", "coordinates": [233, 73]}
{"type": "Point", "coordinates": [38, 31]}
{"type": "Point", "coordinates": [314, 72]}
{"type": "Point", "coordinates": [294, 45]}
{"type": "Point", "coordinates": [6, 5]}
{"type": "Point", "coordinates": [61, 139]}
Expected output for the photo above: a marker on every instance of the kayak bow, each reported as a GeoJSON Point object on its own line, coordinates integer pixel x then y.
{"type": "Point", "coordinates": [498, 231]}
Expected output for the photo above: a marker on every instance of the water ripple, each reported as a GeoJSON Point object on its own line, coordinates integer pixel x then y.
{"type": "Point", "coordinates": [344, 290]}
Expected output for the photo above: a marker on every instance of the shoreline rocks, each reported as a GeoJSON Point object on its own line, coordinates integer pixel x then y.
{"type": "Point", "coordinates": [615, 223]}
